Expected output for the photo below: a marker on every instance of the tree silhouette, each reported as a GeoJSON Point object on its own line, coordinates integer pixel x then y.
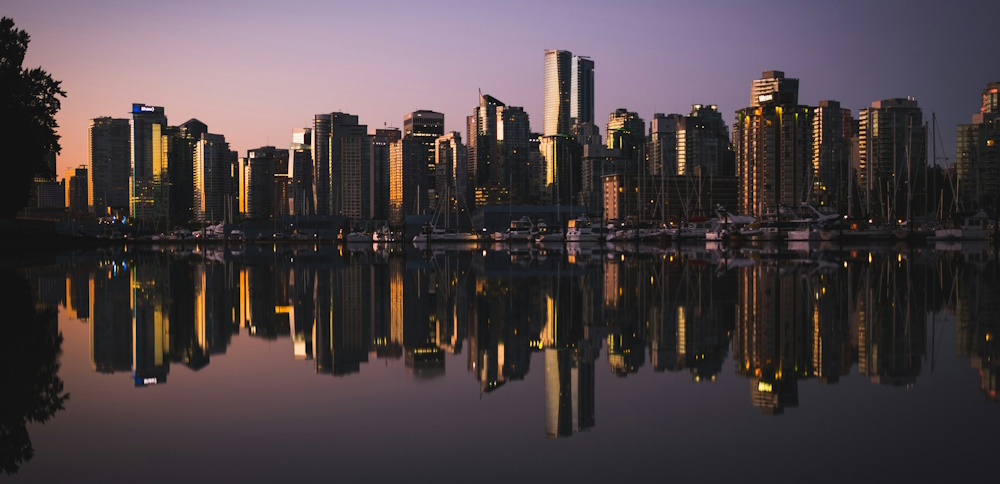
{"type": "Point", "coordinates": [29, 100]}
{"type": "Point", "coordinates": [30, 387]}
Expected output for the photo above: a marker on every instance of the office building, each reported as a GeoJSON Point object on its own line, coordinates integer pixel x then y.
{"type": "Point", "coordinates": [75, 183]}
{"type": "Point", "coordinates": [581, 108]}
{"type": "Point", "coordinates": [147, 122]}
{"type": "Point", "coordinates": [513, 149]}
{"type": "Point", "coordinates": [340, 159]}
{"type": "Point", "coordinates": [425, 127]}
{"type": "Point", "coordinates": [380, 159]}
{"type": "Point", "coordinates": [109, 166]}
{"type": "Point", "coordinates": [451, 173]}
{"type": "Point", "coordinates": [262, 183]}
{"type": "Point", "coordinates": [485, 171]}
{"type": "Point", "coordinates": [408, 180]}
{"type": "Point", "coordinates": [300, 172]}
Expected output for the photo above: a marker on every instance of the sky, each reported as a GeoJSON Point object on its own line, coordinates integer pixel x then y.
{"type": "Point", "coordinates": [255, 70]}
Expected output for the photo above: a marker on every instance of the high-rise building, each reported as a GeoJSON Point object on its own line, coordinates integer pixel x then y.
{"type": "Point", "coordinates": [213, 179]}
{"type": "Point", "coordinates": [300, 172]}
{"type": "Point", "coordinates": [557, 89]}
{"type": "Point", "coordinates": [581, 108]}
{"type": "Point", "coordinates": [355, 177]}
{"type": "Point", "coordinates": [560, 172]}
{"type": "Point", "coordinates": [336, 180]}
{"type": "Point", "coordinates": [774, 87]}
{"type": "Point", "coordinates": [109, 165]}
{"type": "Point", "coordinates": [703, 145]}
{"type": "Point", "coordinates": [833, 130]}
{"type": "Point", "coordinates": [380, 158]}
{"type": "Point", "coordinates": [75, 182]}
{"type": "Point", "coordinates": [451, 172]}
{"type": "Point", "coordinates": [513, 148]}
{"type": "Point", "coordinates": [147, 121]}
{"type": "Point", "coordinates": [408, 180]}
{"type": "Point", "coordinates": [173, 187]}
{"type": "Point", "coordinates": [773, 144]}
{"type": "Point", "coordinates": [260, 178]}
{"type": "Point", "coordinates": [484, 164]}
{"type": "Point", "coordinates": [425, 127]}
{"type": "Point", "coordinates": [977, 157]}
{"type": "Point", "coordinates": [661, 149]}
{"type": "Point", "coordinates": [892, 151]}
{"type": "Point", "coordinates": [626, 132]}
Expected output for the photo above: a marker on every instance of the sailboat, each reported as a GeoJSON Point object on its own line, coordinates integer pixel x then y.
{"type": "Point", "coordinates": [431, 233]}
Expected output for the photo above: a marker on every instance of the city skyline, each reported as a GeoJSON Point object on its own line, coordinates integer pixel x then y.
{"type": "Point", "coordinates": [84, 46]}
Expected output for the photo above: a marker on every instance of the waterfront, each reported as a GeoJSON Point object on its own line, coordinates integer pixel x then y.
{"type": "Point", "coordinates": [311, 362]}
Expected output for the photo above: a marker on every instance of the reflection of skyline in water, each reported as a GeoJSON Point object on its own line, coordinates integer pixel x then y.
{"type": "Point", "coordinates": [783, 319]}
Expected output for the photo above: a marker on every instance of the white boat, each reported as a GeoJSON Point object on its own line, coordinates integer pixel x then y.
{"type": "Point", "coordinates": [965, 226]}
{"type": "Point", "coordinates": [358, 238]}
{"type": "Point", "coordinates": [432, 234]}
{"type": "Point", "coordinates": [520, 230]}
{"type": "Point", "coordinates": [384, 235]}
{"type": "Point", "coordinates": [804, 233]}
{"type": "Point", "coordinates": [582, 229]}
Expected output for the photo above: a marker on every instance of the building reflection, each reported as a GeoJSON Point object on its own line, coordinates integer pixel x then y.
{"type": "Point", "coordinates": [784, 319]}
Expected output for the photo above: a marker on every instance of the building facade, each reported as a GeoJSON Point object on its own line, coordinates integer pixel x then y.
{"type": "Point", "coordinates": [892, 150]}
{"type": "Point", "coordinates": [147, 121]}
{"type": "Point", "coordinates": [109, 165]}
{"type": "Point", "coordinates": [773, 144]}
{"type": "Point", "coordinates": [977, 157]}
{"type": "Point", "coordinates": [832, 174]}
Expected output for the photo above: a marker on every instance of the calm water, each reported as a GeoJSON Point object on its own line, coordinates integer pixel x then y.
{"type": "Point", "coordinates": [298, 363]}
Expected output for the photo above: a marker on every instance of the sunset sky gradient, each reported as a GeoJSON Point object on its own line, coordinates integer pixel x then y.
{"type": "Point", "coordinates": [254, 70]}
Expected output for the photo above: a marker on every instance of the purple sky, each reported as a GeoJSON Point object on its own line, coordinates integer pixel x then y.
{"type": "Point", "coordinates": [254, 70]}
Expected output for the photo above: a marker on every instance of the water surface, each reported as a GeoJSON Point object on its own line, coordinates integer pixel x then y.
{"type": "Point", "coordinates": [267, 363]}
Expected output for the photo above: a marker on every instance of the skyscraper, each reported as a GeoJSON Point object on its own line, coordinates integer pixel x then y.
{"type": "Point", "coordinates": [661, 150]}
{"type": "Point", "coordinates": [75, 181]}
{"type": "Point", "coordinates": [407, 180]}
{"type": "Point", "coordinates": [557, 89]}
{"type": "Point", "coordinates": [355, 174]}
{"type": "Point", "coordinates": [451, 172]}
{"type": "Point", "coordinates": [513, 148]}
{"type": "Point", "coordinates": [774, 87]}
{"type": "Point", "coordinates": [703, 143]}
{"type": "Point", "coordinates": [109, 165]}
{"type": "Point", "coordinates": [581, 109]}
{"type": "Point", "coordinates": [626, 132]}
{"type": "Point", "coordinates": [425, 127]}
{"type": "Point", "coordinates": [892, 150]}
{"type": "Point", "coordinates": [300, 172]}
{"type": "Point", "coordinates": [773, 143]}
{"type": "Point", "coordinates": [147, 121]}
{"type": "Point", "coordinates": [483, 165]}
{"type": "Point", "coordinates": [213, 179]}
{"type": "Point", "coordinates": [833, 130]}
{"type": "Point", "coordinates": [380, 158]}
{"type": "Point", "coordinates": [977, 157]}
{"type": "Point", "coordinates": [335, 179]}
{"type": "Point", "coordinates": [259, 178]}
